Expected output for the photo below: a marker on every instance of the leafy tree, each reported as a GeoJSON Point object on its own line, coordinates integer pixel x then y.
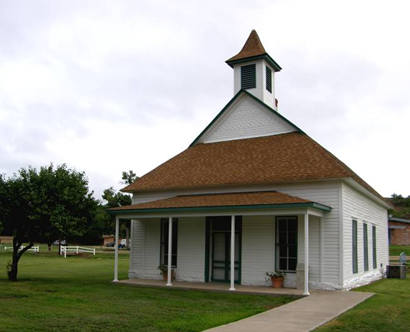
{"type": "Point", "coordinates": [115, 199]}
{"type": "Point", "coordinates": [401, 206]}
{"type": "Point", "coordinates": [129, 177]}
{"type": "Point", "coordinates": [45, 205]}
{"type": "Point", "coordinates": [3, 191]}
{"type": "Point", "coordinates": [15, 202]}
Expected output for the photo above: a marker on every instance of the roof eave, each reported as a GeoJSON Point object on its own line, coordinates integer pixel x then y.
{"type": "Point", "coordinates": [312, 205]}
{"type": "Point", "coordinates": [264, 56]}
{"type": "Point", "coordinates": [366, 192]}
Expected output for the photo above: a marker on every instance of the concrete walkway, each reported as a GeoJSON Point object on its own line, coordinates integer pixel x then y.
{"type": "Point", "coordinates": [305, 314]}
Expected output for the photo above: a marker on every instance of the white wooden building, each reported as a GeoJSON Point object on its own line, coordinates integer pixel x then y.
{"type": "Point", "coordinates": [253, 193]}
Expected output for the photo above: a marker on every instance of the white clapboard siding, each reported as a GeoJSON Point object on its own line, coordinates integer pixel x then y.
{"type": "Point", "coordinates": [145, 247]}
{"type": "Point", "coordinates": [364, 210]}
{"type": "Point", "coordinates": [314, 250]}
{"type": "Point", "coordinates": [325, 193]}
{"type": "Point", "coordinates": [258, 248]}
{"type": "Point", "coordinates": [245, 118]}
{"type": "Point", "coordinates": [191, 249]}
{"type": "Point", "coordinates": [322, 192]}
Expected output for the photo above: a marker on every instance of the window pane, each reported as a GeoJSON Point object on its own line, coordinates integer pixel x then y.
{"type": "Point", "coordinates": [292, 236]}
{"type": "Point", "coordinates": [292, 225]}
{"type": "Point", "coordinates": [292, 264]}
{"type": "Point", "coordinates": [282, 225]}
{"type": "Point", "coordinates": [283, 264]}
{"type": "Point", "coordinates": [283, 238]}
{"type": "Point", "coordinates": [292, 251]}
{"type": "Point", "coordinates": [374, 247]}
{"type": "Point", "coordinates": [354, 246]}
{"type": "Point", "coordinates": [286, 249]}
{"type": "Point", "coordinates": [164, 241]}
{"type": "Point", "coordinates": [283, 251]}
{"type": "Point", "coordinates": [222, 224]}
{"type": "Point", "coordinates": [365, 248]}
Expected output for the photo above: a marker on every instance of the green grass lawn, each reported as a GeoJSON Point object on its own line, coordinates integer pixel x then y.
{"type": "Point", "coordinates": [387, 310]}
{"type": "Point", "coordinates": [77, 294]}
{"type": "Point", "coordinates": [397, 250]}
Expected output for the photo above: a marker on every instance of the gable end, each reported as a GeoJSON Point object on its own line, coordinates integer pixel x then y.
{"type": "Point", "coordinates": [245, 117]}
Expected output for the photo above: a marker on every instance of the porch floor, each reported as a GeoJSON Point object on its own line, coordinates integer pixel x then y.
{"type": "Point", "coordinates": [214, 286]}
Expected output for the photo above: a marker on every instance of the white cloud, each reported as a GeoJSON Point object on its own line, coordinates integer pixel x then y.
{"type": "Point", "coordinates": [108, 86]}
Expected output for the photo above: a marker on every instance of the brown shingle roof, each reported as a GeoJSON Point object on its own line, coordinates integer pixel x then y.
{"type": "Point", "coordinates": [218, 200]}
{"type": "Point", "coordinates": [253, 47]}
{"type": "Point", "coordinates": [285, 158]}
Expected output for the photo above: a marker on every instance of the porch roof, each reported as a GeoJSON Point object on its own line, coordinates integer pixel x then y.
{"type": "Point", "coordinates": [221, 201]}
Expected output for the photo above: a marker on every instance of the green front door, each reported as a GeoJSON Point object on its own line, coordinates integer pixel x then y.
{"type": "Point", "coordinates": [220, 247]}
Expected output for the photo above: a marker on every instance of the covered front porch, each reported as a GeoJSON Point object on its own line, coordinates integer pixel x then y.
{"type": "Point", "coordinates": [213, 287]}
{"type": "Point", "coordinates": [224, 241]}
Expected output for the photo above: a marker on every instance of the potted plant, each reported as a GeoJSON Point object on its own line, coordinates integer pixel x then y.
{"type": "Point", "coordinates": [276, 277]}
{"type": "Point", "coordinates": [164, 271]}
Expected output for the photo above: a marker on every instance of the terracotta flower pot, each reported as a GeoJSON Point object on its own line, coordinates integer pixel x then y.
{"type": "Point", "coordinates": [277, 282]}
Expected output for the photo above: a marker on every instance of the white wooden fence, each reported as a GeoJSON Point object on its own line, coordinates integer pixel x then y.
{"type": "Point", "coordinates": [35, 249]}
{"type": "Point", "coordinates": [76, 250]}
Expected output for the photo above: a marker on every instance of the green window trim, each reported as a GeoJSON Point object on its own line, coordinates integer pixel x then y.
{"type": "Point", "coordinates": [374, 247]}
{"type": "Point", "coordinates": [286, 244]}
{"type": "Point", "coordinates": [354, 246]}
{"type": "Point", "coordinates": [268, 79]}
{"type": "Point", "coordinates": [365, 248]}
{"type": "Point", "coordinates": [210, 223]}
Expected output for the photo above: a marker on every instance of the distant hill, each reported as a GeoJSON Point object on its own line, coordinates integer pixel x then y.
{"type": "Point", "coordinates": [401, 206]}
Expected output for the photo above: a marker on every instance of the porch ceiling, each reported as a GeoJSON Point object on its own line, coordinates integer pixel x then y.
{"type": "Point", "coordinates": [221, 201]}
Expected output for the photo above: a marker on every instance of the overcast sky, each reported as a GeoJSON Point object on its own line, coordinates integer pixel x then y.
{"type": "Point", "coordinates": [107, 86]}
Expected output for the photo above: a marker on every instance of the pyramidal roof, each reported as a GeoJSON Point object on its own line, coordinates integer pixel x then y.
{"type": "Point", "coordinates": [253, 49]}
{"type": "Point", "coordinates": [270, 160]}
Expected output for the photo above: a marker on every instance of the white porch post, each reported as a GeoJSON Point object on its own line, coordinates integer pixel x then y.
{"type": "Point", "coordinates": [169, 283]}
{"type": "Point", "coordinates": [117, 230]}
{"type": "Point", "coordinates": [306, 221]}
{"type": "Point", "coordinates": [232, 288]}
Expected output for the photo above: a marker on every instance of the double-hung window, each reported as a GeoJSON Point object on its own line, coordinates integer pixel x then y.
{"type": "Point", "coordinates": [286, 243]}
{"type": "Point", "coordinates": [374, 247]}
{"type": "Point", "coordinates": [354, 246]}
{"type": "Point", "coordinates": [365, 248]}
{"type": "Point", "coordinates": [164, 242]}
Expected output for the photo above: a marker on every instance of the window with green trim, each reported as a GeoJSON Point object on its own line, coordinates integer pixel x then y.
{"type": "Point", "coordinates": [354, 246]}
{"type": "Point", "coordinates": [268, 79]}
{"type": "Point", "coordinates": [374, 247]}
{"type": "Point", "coordinates": [365, 248]}
{"type": "Point", "coordinates": [248, 77]}
{"type": "Point", "coordinates": [286, 243]}
{"type": "Point", "coordinates": [164, 242]}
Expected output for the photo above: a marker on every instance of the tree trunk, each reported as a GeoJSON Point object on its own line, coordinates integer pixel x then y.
{"type": "Point", "coordinates": [13, 267]}
{"type": "Point", "coordinates": [59, 247]}
{"type": "Point", "coordinates": [49, 245]}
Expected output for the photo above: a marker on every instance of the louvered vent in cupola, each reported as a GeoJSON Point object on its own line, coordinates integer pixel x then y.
{"type": "Point", "coordinates": [268, 79]}
{"type": "Point", "coordinates": [248, 76]}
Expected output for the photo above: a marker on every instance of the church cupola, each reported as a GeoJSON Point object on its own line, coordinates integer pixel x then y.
{"type": "Point", "coordinates": [254, 70]}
